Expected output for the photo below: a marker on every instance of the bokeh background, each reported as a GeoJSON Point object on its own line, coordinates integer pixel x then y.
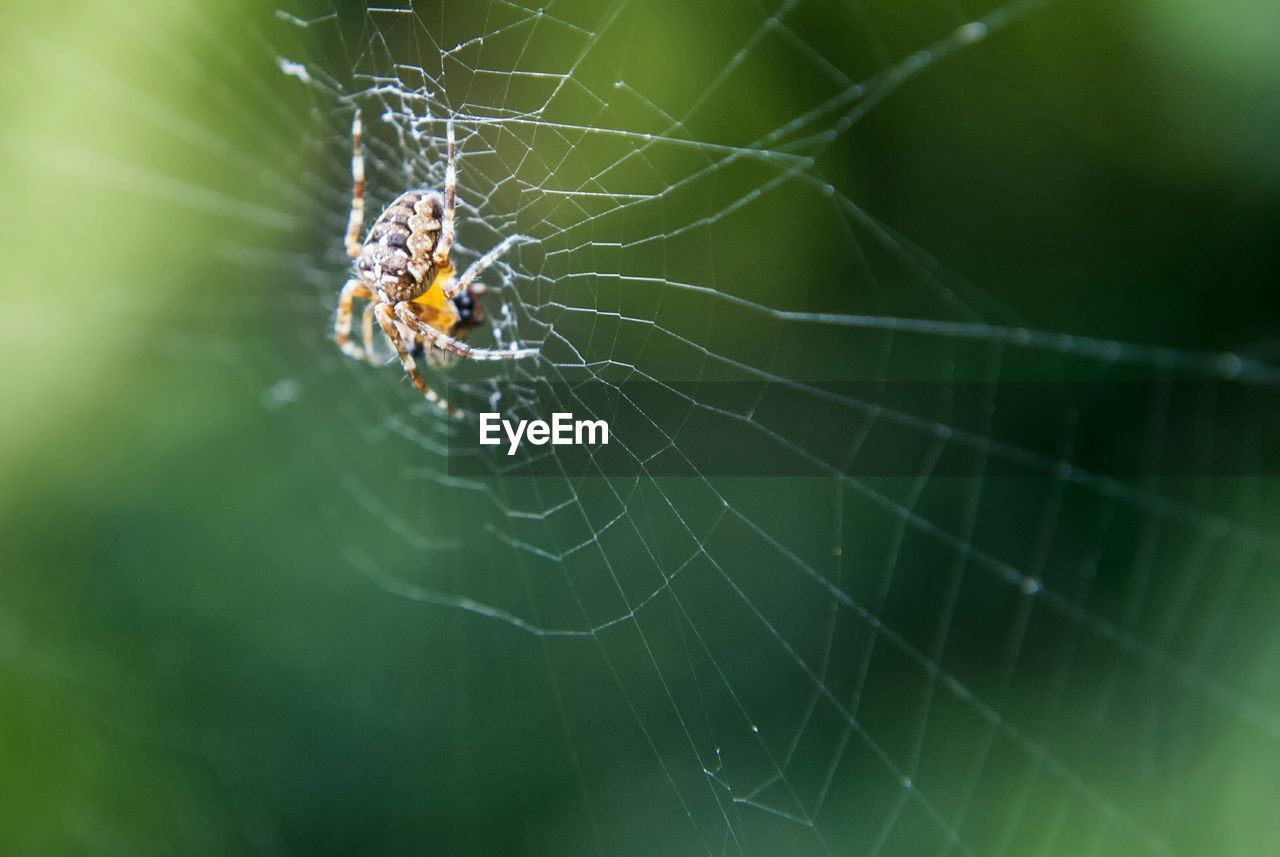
{"type": "Point", "coordinates": [228, 615]}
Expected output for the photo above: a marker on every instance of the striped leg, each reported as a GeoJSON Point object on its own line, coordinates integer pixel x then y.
{"type": "Point", "coordinates": [370, 341]}
{"type": "Point", "coordinates": [478, 266]}
{"type": "Point", "coordinates": [355, 222]}
{"type": "Point", "coordinates": [440, 318]}
{"type": "Point", "coordinates": [404, 312]}
{"type": "Point", "coordinates": [342, 324]}
{"type": "Point", "coordinates": [445, 243]}
{"type": "Point", "coordinates": [388, 324]}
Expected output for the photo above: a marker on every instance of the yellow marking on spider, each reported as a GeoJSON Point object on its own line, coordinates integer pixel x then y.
{"type": "Point", "coordinates": [434, 295]}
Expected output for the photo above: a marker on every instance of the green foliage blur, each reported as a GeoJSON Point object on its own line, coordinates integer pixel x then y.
{"type": "Point", "coordinates": [191, 659]}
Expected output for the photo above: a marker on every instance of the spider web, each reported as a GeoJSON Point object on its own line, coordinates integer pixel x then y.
{"type": "Point", "coordinates": [914, 663]}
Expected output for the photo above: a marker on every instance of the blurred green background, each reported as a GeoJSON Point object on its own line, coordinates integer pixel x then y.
{"type": "Point", "coordinates": [204, 510]}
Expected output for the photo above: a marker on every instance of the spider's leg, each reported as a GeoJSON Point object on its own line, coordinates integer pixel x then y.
{"type": "Point", "coordinates": [355, 222]}
{"type": "Point", "coordinates": [416, 342]}
{"type": "Point", "coordinates": [445, 243]}
{"type": "Point", "coordinates": [440, 318]}
{"type": "Point", "coordinates": [435, 358]}
{"type": "Point", "coordinates": [445, 342]}
{"type": "Point", "coordinates": [388, 324]}
{"type": "Point", "coordinates": [355, 288]}
{"type": "Point", "coordinates": [479, 265]}
{"type": "Point", "coordinates": [370, 342]}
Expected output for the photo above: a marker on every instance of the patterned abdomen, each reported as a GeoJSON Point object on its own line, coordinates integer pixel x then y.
{"type": "Point", "coordinates": [396, 255]}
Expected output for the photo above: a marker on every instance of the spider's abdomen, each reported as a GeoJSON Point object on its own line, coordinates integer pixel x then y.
{"type": "Point", "coordinates": [396, 255]}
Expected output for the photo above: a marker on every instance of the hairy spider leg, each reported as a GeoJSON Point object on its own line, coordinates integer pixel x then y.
{"type": "Point", "coordinates": [405, 312]}
{"type": "Point", "coordinates": [445, 242]}
{"type": "Point", "coordinates": [388, 324]}
{"type": "Point", "coordinates": [355, 288]}
{"type": "Point", "coordinates": [370, 342]}
{"type": "Point", "coordinates": [355, 222]}
{"type": "Point", "coordinates": [479, 265]}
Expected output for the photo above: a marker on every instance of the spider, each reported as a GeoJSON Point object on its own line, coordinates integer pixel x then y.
{"type": "Point", "coordinates": [403, 269]}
